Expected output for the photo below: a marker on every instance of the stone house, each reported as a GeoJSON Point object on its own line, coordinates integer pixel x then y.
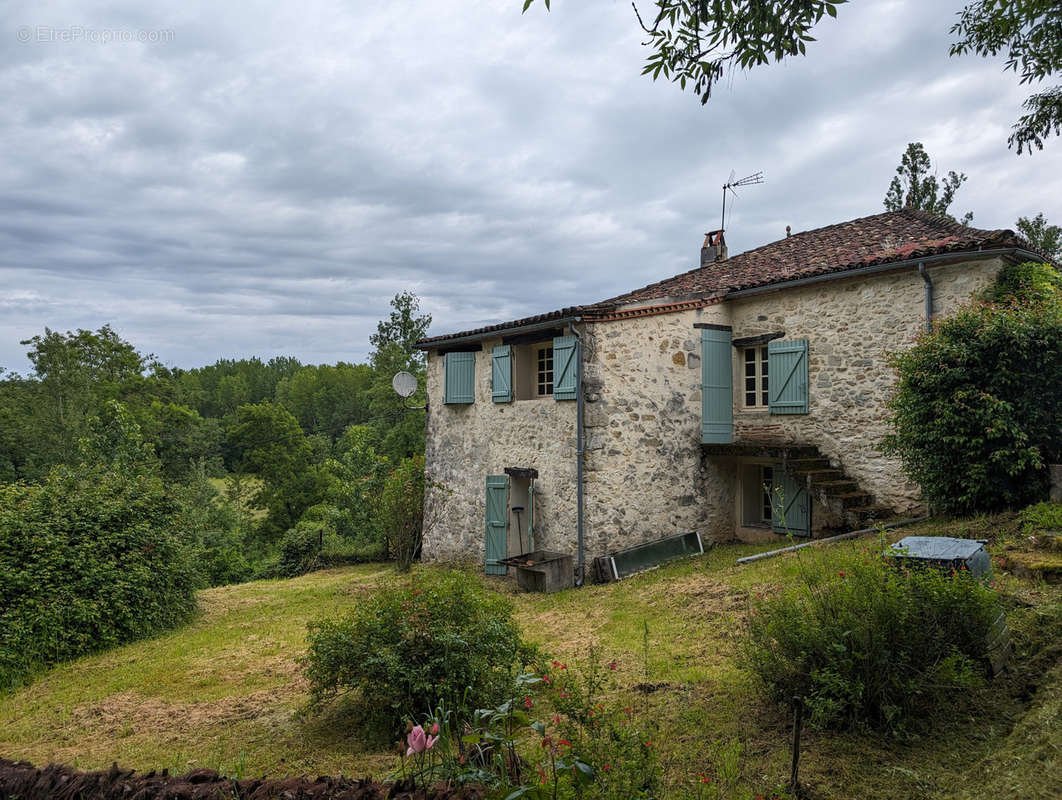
{"type": "Point", "coordinates": [744, 398]}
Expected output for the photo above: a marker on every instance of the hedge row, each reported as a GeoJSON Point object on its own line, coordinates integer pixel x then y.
{"type": "Point", "coordinates": [57, 782]}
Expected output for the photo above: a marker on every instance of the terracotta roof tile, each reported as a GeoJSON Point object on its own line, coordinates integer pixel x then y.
{"type": "Point", "coordinates": [867, 241]}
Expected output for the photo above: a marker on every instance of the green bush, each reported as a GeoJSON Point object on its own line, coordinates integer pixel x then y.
{"type": "Point", "coordinates": [436, 638]}
{"type": "Point", "coordinates": [977, 411]}
{"type": "Point", "coordinates": [866, 643]}
{"type": "Point", "coordinates": [91, 558]}
{"type": "Point", "coordinates": [400, 511]}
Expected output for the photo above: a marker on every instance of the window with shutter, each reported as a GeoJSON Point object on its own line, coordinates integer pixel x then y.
{"type": "Point", "coordinates": [501, 378]}
{"type": "Point", "coordinates": [565, 368]}
{"type": "Point", "coordinates": [717, 386]}
{"type": "Point", "coordinates": [788, 368]}
{"type": "Point", "coordinates": [460, 378]}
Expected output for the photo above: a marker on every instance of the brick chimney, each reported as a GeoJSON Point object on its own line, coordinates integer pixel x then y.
{"type": "Point", "coordinates": [713, 249]}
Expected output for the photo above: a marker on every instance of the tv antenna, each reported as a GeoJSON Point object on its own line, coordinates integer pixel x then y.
{"type": "Point", "coordinates": [748, 180]}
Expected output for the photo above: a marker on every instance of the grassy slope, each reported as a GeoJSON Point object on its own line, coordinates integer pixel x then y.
{"type": "Point", "coordinates": [224, 691]}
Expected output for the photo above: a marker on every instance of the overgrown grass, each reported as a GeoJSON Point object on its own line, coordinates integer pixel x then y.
{"type": "Point", "coordinates": [224, 692]}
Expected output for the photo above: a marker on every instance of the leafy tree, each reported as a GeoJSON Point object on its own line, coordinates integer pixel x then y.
{"type": "Point", "coordinates": [404, 327]}
{"type": "Point", "coordinates": [76, 374]}
{"type": "Point", "coordinates": [92, 557]}
{"type": "Point", "coordinates": [1030, 33]}
{"type": "Point", "coordinates": [1044, 238]}
{"type": "Point", "coordinates": [914, 186]}
{"type": "Point", "coordinates": [977, 413]}
{"type": "Point", "coordinates": [326, 399]}
{"type": "Point", "coordinates": [275, 448]}
{"type": "Point", "coordinates": [692, 42]}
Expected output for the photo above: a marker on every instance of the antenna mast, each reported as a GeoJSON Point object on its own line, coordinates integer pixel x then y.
{"type": "Point", "coordinates": [748, 180]}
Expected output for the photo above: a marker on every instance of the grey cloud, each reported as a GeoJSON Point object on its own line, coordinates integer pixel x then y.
{"type": "Point", "coordinates": [267, 180]}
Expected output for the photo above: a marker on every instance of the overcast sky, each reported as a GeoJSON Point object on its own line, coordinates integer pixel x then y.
{"type": "Point", "coordinates": [259, 178]}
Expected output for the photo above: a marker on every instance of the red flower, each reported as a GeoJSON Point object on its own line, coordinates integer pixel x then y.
{"type": "Point", "coordinates": [627, 711]}
{"type": "Point", "coordinates": [607, 767]}
{"type": "Point", "coordinates": [841, 574]}
{"type": "Point", "coordinates": [527, 702]}
{"type": "Point", "coordinates": [612, 664]}
{"type": "Point", "coordinates": [563, 743]}
{"type": "Point", "coordinates": [545, 678]}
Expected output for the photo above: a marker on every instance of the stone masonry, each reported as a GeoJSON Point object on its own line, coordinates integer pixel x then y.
{"type": "Point", "coordinates": [645, 475]}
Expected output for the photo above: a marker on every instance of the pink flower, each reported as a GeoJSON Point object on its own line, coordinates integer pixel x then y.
{"type": "Point", "coordinates": [435, 728]}
{"type": "Point", "coordinates": [527, 702]}
{"type": "Point", "coordinates": [419, 741]}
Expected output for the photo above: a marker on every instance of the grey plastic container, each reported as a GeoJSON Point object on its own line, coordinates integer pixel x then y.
{"type": "Point", "coordinates": [542, 570]}
{"type": "Point", "coordinates": [944, 552]}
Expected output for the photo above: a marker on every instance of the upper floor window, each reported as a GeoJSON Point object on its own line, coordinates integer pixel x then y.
{"type": "Point", "coordinates": [544, 373]}
{"type": "Point", "coordinates": [755, 361]}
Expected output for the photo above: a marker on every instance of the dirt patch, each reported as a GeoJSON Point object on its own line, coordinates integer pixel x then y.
{"type": "Point", "coordinates": [57, 782]}
{"type": "Point", "coordinates": [129, 712]}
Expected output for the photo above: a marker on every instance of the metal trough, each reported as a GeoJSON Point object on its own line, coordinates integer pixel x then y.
{"type": "Point", "coordinates": [649, 555]}
{"type": "Point", "coordinates": [542, 570]}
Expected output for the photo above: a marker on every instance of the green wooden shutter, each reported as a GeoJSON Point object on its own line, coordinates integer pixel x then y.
{"type": "Point", "coordinates": [787, 381]}
{"type": "Point", "coordinates": [501, 375]}
{"type": "Point", "coordinates": [497, 523]}
{"type": "Point", "coordinates": [790, 505]}
{"type": "Point", "coordinates": [460, 378]}
{"type": "Point", "coordinates": [717, 386]}
{"type": "Point", "coordinates": [565, 367]}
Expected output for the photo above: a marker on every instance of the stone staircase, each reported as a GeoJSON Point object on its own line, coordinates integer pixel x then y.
{"type": "Point", "coordinates": [834, 489]}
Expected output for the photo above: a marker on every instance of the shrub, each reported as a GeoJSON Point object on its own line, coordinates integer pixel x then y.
{"type": "Point", "coordinates": [91, 558]}
{"type": "Point", "coordinates": [864, 642]}
{"type": "Point", "coordinates": [400, 511]}
{"type": "Point", "coordinates": [976, 412]}
{"type": "Point", "coordinates": [440, 637]}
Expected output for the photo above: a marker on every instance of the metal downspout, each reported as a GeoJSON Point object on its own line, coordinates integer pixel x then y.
{"type": "Point", "coordinates": [580, 568]}
{"type": "Point", "coordinates": [929, 294]}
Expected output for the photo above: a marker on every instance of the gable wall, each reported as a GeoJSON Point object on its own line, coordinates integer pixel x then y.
{"type": "Point", "coordinates": [465, 443]}
{"type": "Point", "coordinates": [850, 325]}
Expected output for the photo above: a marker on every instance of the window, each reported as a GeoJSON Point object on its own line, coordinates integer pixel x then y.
{"type": "Point", "coordinates": [756, 377]}
{"type": "Point", "coordinates": [544, 373]}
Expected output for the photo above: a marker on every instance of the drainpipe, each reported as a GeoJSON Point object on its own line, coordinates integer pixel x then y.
{"type": "Point", "coordinates": [580, 569]}
{"type": "Point", "coordinates": [929, 294]}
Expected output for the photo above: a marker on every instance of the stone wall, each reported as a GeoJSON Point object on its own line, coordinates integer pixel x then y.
{"type": "Point", "coordinates": [850, 324]}
{"type": "Point", "coordinates": [466, 443]}
{"type": "Point", "coordinates": [645, 474]}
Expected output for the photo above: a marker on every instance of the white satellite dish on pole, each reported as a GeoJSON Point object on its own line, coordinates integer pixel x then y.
{"type": "Point", "coordinates": [404, 384]}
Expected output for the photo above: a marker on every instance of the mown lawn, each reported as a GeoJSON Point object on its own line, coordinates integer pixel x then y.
{"type": "Point", "coordinates": [226, 692]}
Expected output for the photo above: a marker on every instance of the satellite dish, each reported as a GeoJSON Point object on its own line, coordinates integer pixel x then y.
{"type": "Point", "coordinates": [404, 384]}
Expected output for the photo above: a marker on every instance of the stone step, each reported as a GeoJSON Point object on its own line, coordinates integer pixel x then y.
{"type": "Point", "coordinates": [832, 488]}
{"type": "Point", "coordinates": [807, 464]}
{"type": "Point", "coordinates": [823, 475]}
{"type": "Point", "coordinates": [854, 501]}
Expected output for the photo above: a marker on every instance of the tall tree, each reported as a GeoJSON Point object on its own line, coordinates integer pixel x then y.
{"type": "Point", "coordinates": [402, 328]}
{"type": "Point", "coordinates": [914, 185]}
{"type": "Point", "coordinates": [692, 42]}
{"type": "Point", "coordinates": [1044, 238]}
